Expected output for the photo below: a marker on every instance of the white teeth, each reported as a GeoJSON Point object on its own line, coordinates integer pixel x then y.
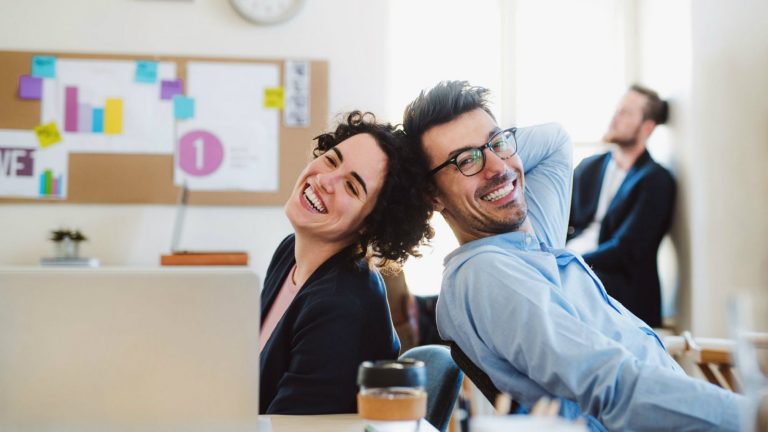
{"type": "Point", "coordinates": [500, 193]}
{"type": "Point", "coordinates": [314, 200]}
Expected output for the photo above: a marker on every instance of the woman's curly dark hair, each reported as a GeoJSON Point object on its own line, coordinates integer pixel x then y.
{"type": "Point", "coordinates": [399, 221]}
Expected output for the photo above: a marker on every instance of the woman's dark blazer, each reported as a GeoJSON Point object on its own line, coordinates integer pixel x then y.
{"type": "Point", "coordinates": [338, 319]}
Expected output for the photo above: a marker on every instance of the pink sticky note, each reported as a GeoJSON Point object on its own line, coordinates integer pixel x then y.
{"type": "Point", "coordinates": [170, 88]}
{"type": "Point", "coordinates": [30, 87]}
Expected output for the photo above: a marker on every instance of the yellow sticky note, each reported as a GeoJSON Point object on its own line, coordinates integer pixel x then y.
{"type": "Point", "coordinates": [274, 98]}
{"type": "Point", "coordinates": [113, 116]}
{"type": "Point", "coordinates": [48, 134]}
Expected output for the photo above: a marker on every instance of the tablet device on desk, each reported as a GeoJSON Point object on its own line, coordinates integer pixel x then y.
{"type": "Point", "coordinates": [166, 349]}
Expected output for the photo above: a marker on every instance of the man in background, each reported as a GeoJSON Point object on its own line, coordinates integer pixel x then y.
{"type": "Point", "coordinates": [622, 207]}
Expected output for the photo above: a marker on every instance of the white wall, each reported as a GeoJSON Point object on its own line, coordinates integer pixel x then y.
{"type": "Point", "coordinates": [726, 160]}
{"type": "Point", "coordinates": [663, 62]}
{"type": "Point", "coordinates": [350, 35]}
{"type": "Point", "coordinates": [709, 58]}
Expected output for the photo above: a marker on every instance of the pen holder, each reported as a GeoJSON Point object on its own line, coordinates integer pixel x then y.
{"type": "Point", "coordinates": [392, 390]}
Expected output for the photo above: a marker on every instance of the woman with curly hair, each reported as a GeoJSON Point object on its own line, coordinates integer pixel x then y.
{"type": "Point", "coordinates": [324, 310]}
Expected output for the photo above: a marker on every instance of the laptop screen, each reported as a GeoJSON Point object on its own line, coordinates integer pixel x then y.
{"type": "Point", "coordinates": [129, 349]}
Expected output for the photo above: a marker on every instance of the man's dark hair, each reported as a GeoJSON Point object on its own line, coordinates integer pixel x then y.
{"type": "Point", "coordinates": [399, 221]}
{"type": "Point", "coordinates": [439, 105]}
{"type": "Point", "coordinates": [655, 108]}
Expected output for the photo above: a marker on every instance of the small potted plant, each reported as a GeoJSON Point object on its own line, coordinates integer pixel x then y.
{"type": "Point", "coordinates": [67, 242]}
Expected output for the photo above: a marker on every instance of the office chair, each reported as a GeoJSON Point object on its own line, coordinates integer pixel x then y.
{"type": "Point", "coordinates": [443, 382]}
{"type": "Point", "coordinates": [478, 377]}
{"type": "Point", "coordinates": [714, 357]}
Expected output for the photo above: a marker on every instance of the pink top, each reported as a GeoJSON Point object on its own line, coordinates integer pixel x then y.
{"type": "Point", "coordinates": [284, 298]}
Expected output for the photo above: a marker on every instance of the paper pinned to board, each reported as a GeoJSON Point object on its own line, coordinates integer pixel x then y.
{"type": "Point", "coordinates": [296, 112]}
{"type": "Point", "coordinates": [28, 171]}
{"type": "Point", "coordinates": [232, 141]}
{"type": "Point", "coordinates": [140, 123]}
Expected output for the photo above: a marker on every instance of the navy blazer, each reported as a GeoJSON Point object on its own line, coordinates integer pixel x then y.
{"type": "Point", "coordinates": [634, 225]}
{"type": "Point", "coordinates": [338, 319]}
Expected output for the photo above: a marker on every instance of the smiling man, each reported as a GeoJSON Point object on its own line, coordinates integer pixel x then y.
{"type": "Point", "coordinates": [529, 313]}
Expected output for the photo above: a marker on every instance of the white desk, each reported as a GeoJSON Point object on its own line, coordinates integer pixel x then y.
{"type": "Point", "coordinates": [334, 423]}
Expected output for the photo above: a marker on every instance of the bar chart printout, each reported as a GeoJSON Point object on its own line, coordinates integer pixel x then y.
{"type": "Point", "coordinates": [85, 118]}
{"type": "Point", "coordinates": [112, 106]}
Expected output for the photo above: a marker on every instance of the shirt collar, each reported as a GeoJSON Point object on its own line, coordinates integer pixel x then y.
{"type": "Point", "coordinates": [519, 240]}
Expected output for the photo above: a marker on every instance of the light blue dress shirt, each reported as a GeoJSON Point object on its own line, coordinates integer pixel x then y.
{"type": "Point", "coordinates": [537, 320]}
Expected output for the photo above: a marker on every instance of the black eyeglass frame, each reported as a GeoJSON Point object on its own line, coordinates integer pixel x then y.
{"type": "Point", "coordinates": [453, 160]}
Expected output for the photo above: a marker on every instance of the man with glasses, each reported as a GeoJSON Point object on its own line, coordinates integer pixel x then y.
{"type": "Point", "coordinates": [622, 207]}
{"type": "Point", "coordinates": [529, 313]}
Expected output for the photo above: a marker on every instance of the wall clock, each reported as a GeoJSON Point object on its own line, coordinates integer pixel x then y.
{"type": "Point", "coordinates": [267, 11]}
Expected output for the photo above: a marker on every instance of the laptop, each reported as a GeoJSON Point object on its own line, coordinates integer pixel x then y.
{"type": "Point", "coordinates": [117, 349]}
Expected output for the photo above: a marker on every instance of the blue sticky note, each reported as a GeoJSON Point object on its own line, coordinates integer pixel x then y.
{"type": "Point", "coordinates": [98, 120]}
{"type": "Point", "coordinates": [183, 107]}
{"type": "Point", "coordinates": [146, 71]}
{"type": "Point", "coordinates": [44, 66]}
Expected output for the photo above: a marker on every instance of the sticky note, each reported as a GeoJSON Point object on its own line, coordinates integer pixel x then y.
{"type": "Point", "coordinates": [146, 71]}
{"type": "Point", "coordinates": [113, 116]}
{"type": "Point", "coordinates": [170, 88]}
{"type": "Point", "coordinates": [274, 98]}
{"type": "Point", "coordinates": [183, 107]}
{"type": "Point", "coordinates": [44, 66]}
{"type": "Point", "coordinates": [47, 134]}
{"type": "Point", "coordinates": [30, 87]}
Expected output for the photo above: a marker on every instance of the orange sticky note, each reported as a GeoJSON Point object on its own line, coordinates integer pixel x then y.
{"type": "Point", "coordinates": [48, 134]}
{"type": "Point", "coordinates": [274, 98]}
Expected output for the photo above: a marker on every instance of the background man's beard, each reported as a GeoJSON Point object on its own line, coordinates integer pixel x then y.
{"type": "Point", "coordinates": [628, 142]}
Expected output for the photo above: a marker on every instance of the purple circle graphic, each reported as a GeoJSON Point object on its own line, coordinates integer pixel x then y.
{"type": "Point", "coordinates": [200, 153]}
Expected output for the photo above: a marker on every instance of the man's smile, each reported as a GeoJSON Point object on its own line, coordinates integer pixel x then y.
{"type": "Point", "coordinates": [504, 190]}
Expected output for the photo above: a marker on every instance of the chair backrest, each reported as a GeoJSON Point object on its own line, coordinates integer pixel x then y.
{"type": "Point", "coordinates": [480, 378]}
{"type": "Point", "coordinates": [443, 382]}
{"type": "Point", "coordinates": [477, 376]}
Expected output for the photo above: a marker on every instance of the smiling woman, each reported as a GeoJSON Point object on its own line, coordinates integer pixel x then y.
{"type": "Point", "coordinates": [359, 201]}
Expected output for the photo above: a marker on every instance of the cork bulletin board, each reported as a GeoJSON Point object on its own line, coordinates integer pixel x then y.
{"type": "Point", "coordinates": [135, 178]}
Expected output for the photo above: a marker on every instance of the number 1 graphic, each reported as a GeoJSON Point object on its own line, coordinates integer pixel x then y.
{"type": "Point", "coordinates": [200, 153]}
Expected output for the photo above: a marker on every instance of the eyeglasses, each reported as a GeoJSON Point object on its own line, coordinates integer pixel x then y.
{"type": "Point", "coordinates": [471, 161]}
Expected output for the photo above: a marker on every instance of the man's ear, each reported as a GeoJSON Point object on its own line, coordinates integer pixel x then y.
{"type": "Point", "coordinates": [647, 127]}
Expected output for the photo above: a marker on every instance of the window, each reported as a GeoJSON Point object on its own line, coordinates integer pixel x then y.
{"type": "Point", "coordinates": [544, 60]}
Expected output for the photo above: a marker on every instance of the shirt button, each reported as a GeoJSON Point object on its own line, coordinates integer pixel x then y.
{"type": "Point", "coordinates": [528, 240]}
